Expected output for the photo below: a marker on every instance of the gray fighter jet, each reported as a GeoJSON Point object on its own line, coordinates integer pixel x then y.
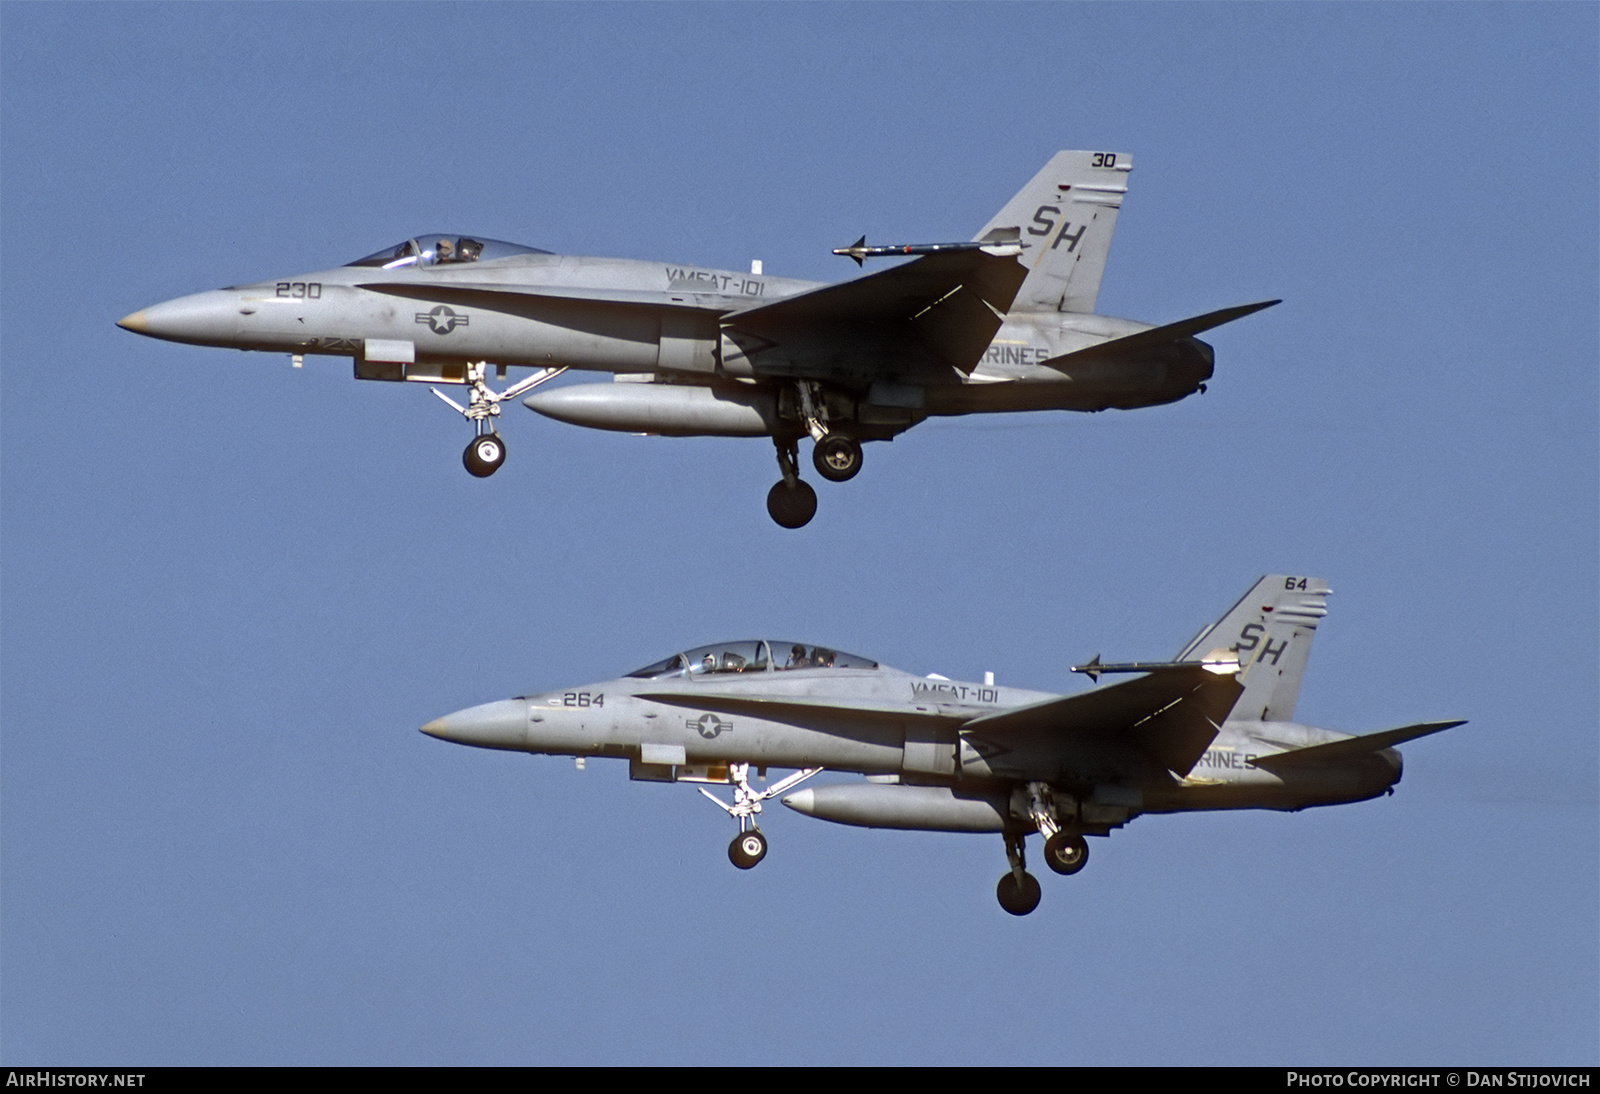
{"type": "Point", "coordinates": [1002, 322]}
{"type": "Point", "coordinates": [1211, 729]}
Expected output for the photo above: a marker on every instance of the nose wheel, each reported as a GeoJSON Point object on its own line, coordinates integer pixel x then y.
{"type": "Point", "coordinates": [747, 849]}
{"type": "Point", "coordinates": [484, 455]}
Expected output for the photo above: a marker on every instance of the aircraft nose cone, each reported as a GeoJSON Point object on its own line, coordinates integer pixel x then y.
{"type": "Point", "coordinates": [502, 724]}
{"type": "Point", "coordinates": [205, 318]}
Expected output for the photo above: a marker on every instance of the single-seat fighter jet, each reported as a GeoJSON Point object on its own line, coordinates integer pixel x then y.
{"type": "Point", "coordinates": [1211, 729]}
{"type": "Point", "coordinates": [1002, 322]}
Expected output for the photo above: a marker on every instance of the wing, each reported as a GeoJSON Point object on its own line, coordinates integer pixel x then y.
{"type": "Point", "coordinates": [1172, 716]}
{"type": "Point", "coordinates": [939, 311]}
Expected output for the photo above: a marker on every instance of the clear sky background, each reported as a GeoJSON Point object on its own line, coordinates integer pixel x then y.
{"type": "Point", "coordinates": [232, 590]}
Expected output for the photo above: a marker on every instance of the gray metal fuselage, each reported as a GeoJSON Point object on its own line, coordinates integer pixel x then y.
{"type": "Point", "coordinates": [884, 722]}
{"type": "Point", "coordinates": [657, 320]}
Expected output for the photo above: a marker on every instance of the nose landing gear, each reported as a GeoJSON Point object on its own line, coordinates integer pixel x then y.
{"type": "Point", "coordinates": [750, 846]}
{"type": "Point", "coordinates": [487, 451]}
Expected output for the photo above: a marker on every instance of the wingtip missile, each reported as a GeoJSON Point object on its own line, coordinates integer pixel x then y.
{"type": "Point", "coordinates": [1221, 662]}
{"type": "Point", "coordinates": [860, 251]}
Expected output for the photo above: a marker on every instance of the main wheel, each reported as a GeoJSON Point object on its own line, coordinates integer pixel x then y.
{"type": "Point", "coordinates": [749, 848]}
{"type": "Point", "coordinates": [792, 506]}
{"type": "Point", "coordinates": [837, 457]}
{"type": "Point", "coordinates": [484, 455]}
{"type": "Point", "coordinates": [1066, 852]}
{"type": "Point", "coordinates": [1018, 899]}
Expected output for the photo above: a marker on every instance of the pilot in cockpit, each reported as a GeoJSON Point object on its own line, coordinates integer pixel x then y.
{"type": "Point", "coordinates": [443, 252]}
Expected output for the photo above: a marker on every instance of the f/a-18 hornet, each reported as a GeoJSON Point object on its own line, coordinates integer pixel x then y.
{"type": "Point", "coordinates": [1211, 729]}
{"type": "Point", "coordinates": [1003, 322]}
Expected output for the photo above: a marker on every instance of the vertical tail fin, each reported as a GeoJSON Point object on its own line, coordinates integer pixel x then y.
{"type": "Point", "coordinates": [1065, 217]}
{"type": "Point", "coordinates": [1271, 627]}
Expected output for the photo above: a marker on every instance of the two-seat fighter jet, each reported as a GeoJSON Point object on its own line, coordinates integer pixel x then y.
{"type": "Point", "coordinates": [1002, 322]}
{"type": "Point", "coordinates": [1211, 729]}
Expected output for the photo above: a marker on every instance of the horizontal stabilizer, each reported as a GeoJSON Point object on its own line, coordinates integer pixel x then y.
{"type": "Point", "coordinates": [1352, 747]}
{"type": "Point", "coordinates": [1160, 336]}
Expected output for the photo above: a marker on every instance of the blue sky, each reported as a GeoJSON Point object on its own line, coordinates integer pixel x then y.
{"type": "Point", "coordinates": [230, 591]}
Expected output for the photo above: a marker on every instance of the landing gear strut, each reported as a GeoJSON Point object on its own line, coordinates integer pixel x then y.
{"type": "Point", "coordinates": [750, 846]}
{"type": "Point", "coordinates": [792, 502]}
{"type": "Point", "coordinates": [1018, 891]}
{"type": "Point", "coordinates": [487, 451]}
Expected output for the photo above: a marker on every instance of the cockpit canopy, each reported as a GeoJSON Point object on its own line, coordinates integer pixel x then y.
{"type": "Point", "coordinates": [756, 655]}
{"type": "Point", "coordinates": [444, 249]}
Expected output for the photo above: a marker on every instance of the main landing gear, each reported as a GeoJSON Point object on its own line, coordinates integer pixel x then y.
{"type": "Point", "coordinates": [1065, 849]}
{"type": "Point", "coordinates": [837, 457]}
{"type": "Point", "coordinates": [835, 454]}
{"type": "Point", "coordinates": [1065, 852]}
{"type": "Point", "coordinates": [1018, 891]}
{"type": "Point", "coordinates": [792, 502]}
{"type": "Point", "coordinates": [487, 451]}
{"type": "Point", "coordinates": [750, 846]}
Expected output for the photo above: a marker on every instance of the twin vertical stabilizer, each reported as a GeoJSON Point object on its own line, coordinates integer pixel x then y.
{"type": "Point", "coordinates": [1270, 629]}
{"type": "Point", "coordinates": [1064, 218]}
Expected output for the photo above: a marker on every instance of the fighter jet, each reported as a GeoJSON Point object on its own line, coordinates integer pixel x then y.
{"type": "Point", "coordinates": [1002, 322]}
{"type": "Point", "coordinates": [1213, 728]}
